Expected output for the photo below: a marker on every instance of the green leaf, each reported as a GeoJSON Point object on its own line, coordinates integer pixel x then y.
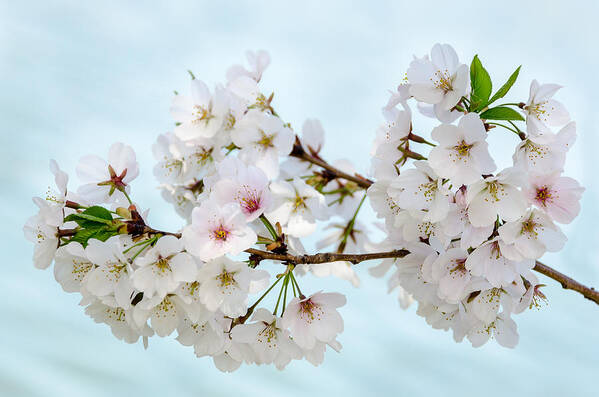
{"type": "Point", "coordinates": [98, 212]}
{"type": "Point", "coordinates": [101, 233]}
{"type": "Point", "coordinates": [95, 215]}
{"type": "Point", "coordinates": [501, 113]}
{"type": "Point", "coordinates": [506, 87]}
{"type": "Point", "coordinates": [481, 85]}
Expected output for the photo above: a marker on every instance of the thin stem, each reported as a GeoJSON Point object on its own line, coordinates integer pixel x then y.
{"type": "Point", "coordinates": [286, 277]}
{"type": "Point", "coordinates": [140, 243]}
{"type": "Point", "coordinates": [293, 285]}
{"type": "Point", "coordinates": [126, 196]}
{"type": "Point", "coordinates": [350, 225]}
{"type": "Point", "coordinates": [521, 133]}
{"type": "Point", "coordinates": [251, 308]}
{"type": "Point", "coordinates": [294, 281]}
{"type": "Point", "coordinates": [285, 296]}
{"type": "Point", "coordinates": [147, 243]}
{"type": "Point", "coordinates": [506, 127]}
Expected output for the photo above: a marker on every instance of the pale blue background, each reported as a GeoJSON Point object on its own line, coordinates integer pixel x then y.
{"type": "Point", "coordinates": [75, 78]}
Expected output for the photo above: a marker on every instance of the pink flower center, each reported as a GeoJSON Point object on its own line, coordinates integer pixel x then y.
{"type": "Point", "coordinates": [543, 194]}
{"type": "Point", "coordinates": [310, 311]}
{"type": "Point", "coordinates": [250, 201]}
{"type": "Point", "coordinates": [220, 233]}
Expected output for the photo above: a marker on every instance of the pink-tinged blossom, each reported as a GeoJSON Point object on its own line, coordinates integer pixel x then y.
{"type": "Point", "coordinates": [217, 230]}
{"type": "Point", "coordinates": [249, 189]}
{"type": "Point", "coordinates": [559, 196]}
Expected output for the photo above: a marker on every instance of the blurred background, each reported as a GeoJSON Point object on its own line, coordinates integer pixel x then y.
{"type": "Point", "coordinates": [77, 77]}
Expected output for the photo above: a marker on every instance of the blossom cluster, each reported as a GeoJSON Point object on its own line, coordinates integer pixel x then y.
{"type": "Point", "coordinates": [473, 232]}
{"type": "Point", "coordinates": [245, 182]}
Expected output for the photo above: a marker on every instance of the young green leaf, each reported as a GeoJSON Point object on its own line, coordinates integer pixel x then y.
{"type": "Point", "coordinates": [93, 216]}
{"type": "Point", "coordinates": [481, 85]}
{"type": "Point", "coordinates": [99, 233]}
{"type": "Point", "coordinates": [501, 113]}
{"type": "Point", "coordinates": [506, 87]}
{"type": "Point", "coordinates": [98, 212]}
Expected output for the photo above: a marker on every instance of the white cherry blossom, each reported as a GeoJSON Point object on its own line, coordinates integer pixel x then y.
{"type": "Point", "coordinates": [121, 322]}
{"type": "Point", "coordinates": [263, 138]}
{"type": "Point", "coordinates": [201, 115]}
{"type": "Point", "coordinates": [314, 318]}
{"type": "Point", "coordinates": [72, 267]}
{"type": "Point", "coordinates": [499, 263]}
{"type": "Point", "coordinates": [110, 279]}
{"type": "Point", "coordinates": [462, 154]}
{"type": "Point", "coordinates": [533, 234]}
{"type": "Point", "coordinates": [540, 158]}
{"type": "Point", "coordinates": [544, 112]}
{"type": "Point", "coordinates": [496, 196]}
{"type": "Point", "coordinates": [441, 80]}
{"type": "Point", "coordinates": [258, 62]}
{"type": "Point", "coordinates": [296, 207]}
{"type": "Point", "coordinates": [107, 181]}
{"type": "Point", "coordinates": [163, 267]}
{"type": "Point", "coordinates": [420, 188]}
{"type": "Point", "coordinates": [45, 240]}
{"type": "Point", "coordinates": [266, 336]}
{"type": "Point", "coordinates": [450, 272]}
{"type": "Point", "coordinates": [225, 285]}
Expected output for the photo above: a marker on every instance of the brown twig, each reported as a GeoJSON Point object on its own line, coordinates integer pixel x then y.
{"type": "Point", "coordinates": [567, 282]}
{"type": "Point", "coordinates": [300, 153]}
{"type": "Point", "coordinates": [327, 257]}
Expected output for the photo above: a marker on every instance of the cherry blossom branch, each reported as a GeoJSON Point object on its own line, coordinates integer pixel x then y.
{"type": "Point", "coordinates": [566, 281]}
{"type": "Point", "coordinates": [300, 153]}
{"type": "Point", "coordinates": [326, 257]}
